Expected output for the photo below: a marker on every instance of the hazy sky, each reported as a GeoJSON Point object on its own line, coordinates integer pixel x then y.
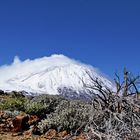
{"type": "Point", "coordinates": [105, 34]}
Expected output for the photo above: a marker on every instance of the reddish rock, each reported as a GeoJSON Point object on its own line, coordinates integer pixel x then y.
{"type": "Point", "coordinates": [27, 133]}
{"type": "Point", "coordinates": [80, 137]}
{"type": "Point", "coordinates": [1, 114]}
{"type": "Point", "coordinates": [5, 116]}
{"type": "Point", "coordinates": [51, 133]}
{"type": "Point", "coordinates": [17, 134]}
{"type": "Point", "coordinates": [9, 120]}
{"type": "Point", "coordinates": [2, 125]}
{"type": "Point", "coordinates": [33, 119]}
{"type": "Point", "coordinates": [20, 123]}
{"type": "Point", "coordinates": [62, 134]}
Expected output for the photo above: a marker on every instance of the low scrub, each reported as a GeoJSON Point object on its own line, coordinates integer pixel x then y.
{"type": "Point", "coordinates": [69, 115]}
{"type": "Point", "coordinates": [12, 103]}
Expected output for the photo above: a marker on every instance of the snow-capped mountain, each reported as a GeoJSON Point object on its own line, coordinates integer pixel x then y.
{"type": "Point", "coordinates": [56, 74]}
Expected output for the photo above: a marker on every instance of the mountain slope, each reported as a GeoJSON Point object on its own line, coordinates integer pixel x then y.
{"type": "Point", "coordinates": [52, 75]}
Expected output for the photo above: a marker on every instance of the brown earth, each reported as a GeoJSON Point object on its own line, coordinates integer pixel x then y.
{"type": "Point", "coordinates": [18, 129]}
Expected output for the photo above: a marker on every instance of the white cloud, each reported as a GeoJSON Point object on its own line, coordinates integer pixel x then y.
{"type": "Point", "coordinates": [16, 60]}
{"type": "Point", "coordinates": [13, 75]}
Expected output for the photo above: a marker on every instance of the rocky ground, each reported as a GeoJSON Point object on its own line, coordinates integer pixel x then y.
{"type": "Point", "coordinates": [45, 117]}
{"type": "Point", "coordinates": [23, 127]}
{"type": "Point", "coordinates": [17, 124]}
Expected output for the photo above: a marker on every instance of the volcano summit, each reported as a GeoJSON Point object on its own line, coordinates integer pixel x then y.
{"type": "Point", "coordinates": [54, 75]}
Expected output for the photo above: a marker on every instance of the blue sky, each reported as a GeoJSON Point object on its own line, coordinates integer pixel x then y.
{"type": "Point", "coordinates": [105, 34]}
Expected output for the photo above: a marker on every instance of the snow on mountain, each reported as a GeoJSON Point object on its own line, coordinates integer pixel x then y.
{"type": "Point", "coordinates": [56, 74]}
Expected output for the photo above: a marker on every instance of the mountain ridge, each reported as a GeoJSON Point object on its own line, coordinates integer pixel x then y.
{"type": "Point", "coordinates": [47, 75]}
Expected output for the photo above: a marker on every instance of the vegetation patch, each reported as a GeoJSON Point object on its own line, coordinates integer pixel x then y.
{"type": "Point", "coordinates": [110, 115]}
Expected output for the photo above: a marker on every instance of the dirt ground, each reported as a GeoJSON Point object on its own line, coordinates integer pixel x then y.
{"type": "Point", "coordinates": [10, 136]}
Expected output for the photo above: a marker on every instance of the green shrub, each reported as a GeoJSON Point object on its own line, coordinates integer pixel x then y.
{"type": "Point", "coordinates": [34, 108]}
{"type": "Point", "coordinates": [12, 103]}
{"type": "Point", "coordinates": [69, 115]}
{"type": "Point", "coordinates": [42, 105]}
